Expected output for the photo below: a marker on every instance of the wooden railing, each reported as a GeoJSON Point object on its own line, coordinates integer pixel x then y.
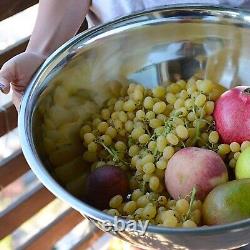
{"type": "Point", "coordinates": [16, 166]}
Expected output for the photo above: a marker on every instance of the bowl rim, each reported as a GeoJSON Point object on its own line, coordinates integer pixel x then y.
{"type": "Point", "coordinates": [25, 124]}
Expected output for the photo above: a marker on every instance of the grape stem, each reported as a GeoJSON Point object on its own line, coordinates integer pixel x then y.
{"type": "Point", "coordinates": [168, 127]}
{"type": "Point", "coordinates": [147, 129]}
{"type": "Point", "coordinates": [197, 132]}
{"type": "Point", "coordinates": [197, 127]}
{"type": "Point", "coordinates": [193, 194]}
{"type": "Point", "coordinates": [183, 144]}
{"type": "Point", "coordinates": [113, 153]}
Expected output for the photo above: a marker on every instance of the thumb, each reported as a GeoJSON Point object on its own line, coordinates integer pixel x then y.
{"type": "Point", "coordinates": [6, 77]}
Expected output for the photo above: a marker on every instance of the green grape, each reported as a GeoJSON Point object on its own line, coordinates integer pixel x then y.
{"type": "Point", "coordinates": [149, 211]}
{"type": "Point", "coordinates": [159, 107]}
{"type": "Point", "coordinates": [116, 201]}
{"type": "Point", "coordinates": [235, 147]}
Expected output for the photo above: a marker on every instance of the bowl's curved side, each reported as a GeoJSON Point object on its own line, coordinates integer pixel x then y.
{"type": "Point", "coordinates": [206, 38]}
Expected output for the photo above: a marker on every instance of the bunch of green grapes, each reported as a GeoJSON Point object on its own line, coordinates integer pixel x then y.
{"type": "Point", "coordinates": [158, 209]}
{"type": "Point", "coordinates": [141, 130]}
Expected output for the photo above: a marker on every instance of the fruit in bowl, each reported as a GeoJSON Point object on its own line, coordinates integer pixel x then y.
{"type": "Point", "coordinates": [232, 115]}
{"type": "Point", "coordinates": [227, 203]}
{"type": "Point", "coordinates": [194, 167]}
{"type": "Point", "coordinates": [104, 183]}
{"type": "Point", "coordinates": [151, 155]}
{"type": "Point", "coordinates": [242, 169]}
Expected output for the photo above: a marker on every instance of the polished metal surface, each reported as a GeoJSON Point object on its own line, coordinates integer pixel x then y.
{"type": "Point", "coordinates": [151, 48]}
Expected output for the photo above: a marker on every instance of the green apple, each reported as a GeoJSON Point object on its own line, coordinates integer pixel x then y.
{"type": "Point", "coordinates": [242, 169]}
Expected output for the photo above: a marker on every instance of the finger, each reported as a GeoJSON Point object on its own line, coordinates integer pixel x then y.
{"type": "Point", "coordinates": [6, 77]}
{"type": "Point", "coordinates": [4, 85]}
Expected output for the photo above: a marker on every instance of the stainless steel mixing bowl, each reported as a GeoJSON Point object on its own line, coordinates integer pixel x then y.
{"type": "Point", "coordinates": [150, 48]}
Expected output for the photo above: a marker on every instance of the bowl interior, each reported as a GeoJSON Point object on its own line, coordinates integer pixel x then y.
{"type": "Point", "coordinates": [151, 48]}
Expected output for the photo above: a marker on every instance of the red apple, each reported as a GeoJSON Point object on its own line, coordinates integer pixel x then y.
{"type": "Point", "coordinates": [194, 167]}
{"type": "Point", "coordinates": [232, 115]}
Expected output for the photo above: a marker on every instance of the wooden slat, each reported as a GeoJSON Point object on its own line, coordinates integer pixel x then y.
{"type": "Point", "coordinates": [11, 7]}
{"type": "Point", "coordinates": [13, 50]}
{"type": "Point", "coordinates": [47, 237]}
{"type": "Point", "coordinates": [12, 168]}
{"type": "Point", "coordinates": [8, 119]}
{"type": "Point", "coordinates": [89, 240]}
{"type": "Point", "coordinates": [23, 209]}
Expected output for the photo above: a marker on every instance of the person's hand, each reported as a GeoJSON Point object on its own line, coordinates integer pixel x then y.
{"type": "Point", "coordinates": [17, 73]}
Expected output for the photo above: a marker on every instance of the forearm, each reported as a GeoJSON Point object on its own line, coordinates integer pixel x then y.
{"type": "Point", "coordinates": [57, 21]}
